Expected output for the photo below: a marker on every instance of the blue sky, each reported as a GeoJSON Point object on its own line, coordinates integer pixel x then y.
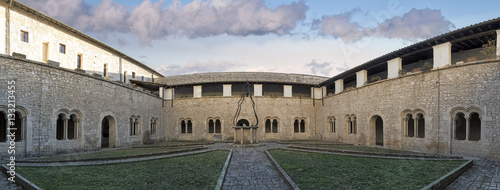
{"type": "Point", "coordinates": [309, 37]}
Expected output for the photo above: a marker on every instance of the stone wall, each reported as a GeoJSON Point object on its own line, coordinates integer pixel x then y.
{"type": "Point", "coordinates": [436, 94]}
{"type": "Point", "coordinates": [199, 110]}
{"type": "Point", "coordinates": [44, 91]}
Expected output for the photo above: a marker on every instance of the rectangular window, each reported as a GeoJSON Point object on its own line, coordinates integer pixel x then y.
{"type": "Point", "coordinates": [105, 72]}
{"type": "Point", "coordinates": [24, 36]}
{"type": "Point", "coordinates": [79, 61]}
{"type": "Point", "coordinates": [62, 48]}
{"type": "Point", "coordinates": [133, 75]}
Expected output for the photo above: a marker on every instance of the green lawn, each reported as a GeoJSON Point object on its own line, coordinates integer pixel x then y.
{"type": "Point", "coordinates": [198, 171]}
{"type": "Point", "coordinates": [328, 171]}
{"type": "Point", "coordinates": [121, 152]}
{"type": "Point", "coordinates": [361, 148]}
{"type": "Point", "coordinates": [178, 143]}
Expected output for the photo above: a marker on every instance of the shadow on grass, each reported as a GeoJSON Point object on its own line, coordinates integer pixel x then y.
{"type": "Point", "coordinates": [198, 171]}
{"type": "Point", "coordinates": [327, 171]}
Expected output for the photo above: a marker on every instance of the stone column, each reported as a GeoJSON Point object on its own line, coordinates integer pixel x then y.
{"type": "Point", "coordinates": [197, 91]}
{"type": "Point", "coordinates": [226, 90]}
{"type": "Point", "coordinates": [65, 130]}
{"type": "Point", "coordinates": [361, 77]}
{"type": "Point", "coordinates": [287, 90]}
{"type": "Point", "coordinates": [393, 67]}
{"type": "Point", "coordinates": [415, 127]}
{"type": "Point", "coordinates": [442, 55]}
{"type": "Point", "coordinates": [405, 126]}
{"type": "Point", "coordinates": [339, 86]}
{"type": "Point", "coordinates": [498, 43]}
{"type": "Point", "coordinates": [257, 89]}
{"type": "Point", "coordinates": [354, 128]}
{"type": "Point", "coordinates": [467, 124]}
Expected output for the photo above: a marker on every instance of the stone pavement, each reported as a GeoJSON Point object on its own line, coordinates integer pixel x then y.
{"type": "Point", "coordinates": [251, 169]}
{"type": "Point", "coordinates": [484, 174]}
{"type": "Point", "coordinates": [6, 184]}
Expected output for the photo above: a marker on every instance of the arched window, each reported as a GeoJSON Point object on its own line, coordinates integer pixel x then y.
{"type": "Point", "coordinates": [296, 126]}
{"type": "Point", "coordinates": [331, 122]}
{"type": "Point", "coordinates": [137, 126]}
{"type": "Point", "coordinates": [183, 126]}
{"type": "Point", "coordinates": [420, 125]}
{"type": "Point", "coordinates": [132, 127]}
{"type": "Point", "coordinates": [189, 127]}
{"type": "Point", "coordinates": [351, 124]}
{"type": "Point", "coordinates": [211, 126]}
{"type": "Point", "coordinates": [3, 127]}
{"type": "Point", "coordinates": [218, 126]}
{"type": "Point", "coordinates": [302, 126]}
{"type": "Point", "coordinates": [410, 126]}
{"type": "Point", "coordinates": [72, 127]}
{"type": "Point", "coordinates": [60, 125]}
{"type": "Point", "coordinates": [474, 127]}
{"type": "Point", "coordinates": [460, 126]}
{"type": "Point", "coordinates": [268, 126]}
{"type": "Point", "coordinates": [18, 127]}
{"type": "Point", "coordinates": [154, 126]}
{"type": "Point", "coordinates": [275, 126]}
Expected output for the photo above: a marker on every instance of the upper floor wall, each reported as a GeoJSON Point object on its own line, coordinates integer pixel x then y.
{"type": "Point", "coordinates": [28, 33]}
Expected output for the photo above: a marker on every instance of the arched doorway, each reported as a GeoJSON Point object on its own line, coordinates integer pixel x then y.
{"type": "Point", "coordinates": [243, 122]}
{"type": "Point", "coordinates": [379, 131]}
{"type": "Point", "coordinates": [108, 128]}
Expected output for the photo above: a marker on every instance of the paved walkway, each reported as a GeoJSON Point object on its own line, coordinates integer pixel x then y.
{"type": "Point", "coordinates": [6, 184]}
{"type": "Point", "coordinates": [251, 169]}
{"type": "Point", "coordinates": [484, 174]}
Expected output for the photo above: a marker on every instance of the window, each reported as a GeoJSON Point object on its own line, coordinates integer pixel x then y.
{"type": "Point", "coordinates": [62, 48]}
{"type": "Point", "coordinates": [135, 125]}
{"type": "Point", "coordinates": [299, 126]}
{"type": "Point", "coordinates": [271, 126]}
{"type": "Point", "coordinates": [79, 61]}
{"type": "Point", "coordinates": [154, 125]}
{"type": "Point", "coordinates": [24, 36]}
{"type": "Point", "coordinates": [18, 126]}
{"type": "Point", "coordinates": [351, 124]}
{"type": "Point", "coordinates": [414, 123]}
{"type": "Point", "coordinates": [105, 71]}
{"type": "Point", "coordinates": [133, 75]}
{"type": "Point", "coordinates": [467, 125]}
{"type": "Point", "coordinates": [331, 122]}
{"type": "Point", "coordinates": [214, 126]}
{"type": "Point", "coordinates": [186, 126]}
{"type": "Point", "coordinates": [61, 121]}
{"type": "Point", "coordinates": [72, 127]}
{"type": "Point", "coordinates": [125, 77]}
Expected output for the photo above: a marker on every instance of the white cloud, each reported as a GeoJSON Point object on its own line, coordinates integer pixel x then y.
{"type": "Point", "coordinates": [320, 68]}
{"type": "Point", "coordinates": [150, 21]}
{"type": "Point", "coordinates": [197, 67]}
{"type": "Point", "coordinates": [416, 24]}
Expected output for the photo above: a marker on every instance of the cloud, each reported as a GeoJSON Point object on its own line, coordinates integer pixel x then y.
{"type": "Point", "coordinates": [197, 67]}
{"type": "Point", "coordinates": [343, 68]}
{"type": "Point", "coordinates": [319, 68]}
{"type": "Point", "coordinates": [416, 24]}
{"type": "Point", "coordinates": [150, 21]}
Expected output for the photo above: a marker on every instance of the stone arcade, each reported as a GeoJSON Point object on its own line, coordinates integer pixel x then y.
{"type": "Point", "coordinates": [440, 95]}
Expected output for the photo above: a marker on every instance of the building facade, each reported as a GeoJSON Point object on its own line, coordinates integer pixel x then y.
{"type": "Point", "coordinates": [74, 93]}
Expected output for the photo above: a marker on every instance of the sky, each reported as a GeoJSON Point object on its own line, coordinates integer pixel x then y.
{"type": "Point", "coordinates": [318, 37]}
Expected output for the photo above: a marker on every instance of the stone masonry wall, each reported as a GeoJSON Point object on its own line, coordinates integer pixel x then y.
{"type": "Point", "coordinates": [44, 90]}
{"type": "Point", "coordinates": [436, 94]}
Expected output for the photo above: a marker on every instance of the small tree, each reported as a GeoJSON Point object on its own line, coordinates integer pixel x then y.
{"type": "Point", "coordinates": [489, 48]}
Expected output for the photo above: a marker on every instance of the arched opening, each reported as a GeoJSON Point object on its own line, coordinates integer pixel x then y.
{"type": "Point", "coordinates": [218, 126]}
{"type": "Point", "coordinates": [3, 127]}
{"type": "Point", "coordinates": [60, 126]}
{"type": "Point", "coordinates": [275, 126]}
{"type": "Point", "coordinates": [460, 126]}
{"type": "Point", "coordinates": [18, 125]}
{"type": "Point", "coordinates": [183, 126]}
{"type": "Point", "coordinates": [243, 122]}
{"type": "Point", "coordinates": [268, 126]}
{"type": "Point", "coordinates": [475, 127]}
{"type": "Point", "coordinates": [72, 127]}
{"type": "Point", "coordinates": [420, 126]}
{"type": "Point", "coordinates": [379, 130]}
{"type": "Point", "coordinates": [108, 136]}
{"type": "Point", "coordinates": [211, 126]}
{"type": "Point", "coordinates": [296, 126]}
{"type": "Point", "coordinates": [410, 126]}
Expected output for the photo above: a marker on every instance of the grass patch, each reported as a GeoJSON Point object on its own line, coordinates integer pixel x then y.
{"type": "Point", "coordinates": [178, 143]}
{"type": "Point", "coordinates": [198, 171]}
{"type": "Point", "coordinates": [119, 153]}
{"type": "Point", "coordinates": [328, 171]}
{"type": "Point", "coordinates": [362, 148]}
